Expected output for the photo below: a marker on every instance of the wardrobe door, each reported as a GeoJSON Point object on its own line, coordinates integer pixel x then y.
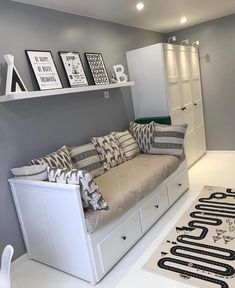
{"type": "Point", "coordinates": [199, 130]}
{"type": "Point", "coordinates": [190, 144]}
{"type": "Point", "coordinates": [172, 79]}
{"type": "Point", "coordinates": [195, 75]}
{"type": "Point", "coordinates": [200, 141]}
{"type": "Point", "coordinates": [184, 77]}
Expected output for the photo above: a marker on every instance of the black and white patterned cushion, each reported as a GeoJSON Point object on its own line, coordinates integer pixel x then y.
{"type": "Point", "coordinates": [168, 139]}
{"type": "Point", "coordinates": [59, 159]}
{"type": "Point", "coordinates": [143, 134]}
{"type": "Point", "coordinates": [33, 172]}
{"type": "Point", "coordinates": [128, 144]}
{"type": "Point", "coordinates": [109, 151]}
{"type": "Point", "coordinates": [85, 157]}
{"type": "Point", "coordinates": [91, 196]}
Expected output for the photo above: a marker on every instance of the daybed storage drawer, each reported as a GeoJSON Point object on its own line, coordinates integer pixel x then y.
{"type": "Point", "coordinates": [177, 186]}
{"type": "Point", "coordinates": [115, 245]}
{"type": "Point", "coordinates": [151, 211]}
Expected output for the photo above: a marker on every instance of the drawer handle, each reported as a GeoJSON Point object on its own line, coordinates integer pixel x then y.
{"type": "Point", "coordinates": [156, 206]}
{"type": "Point", "coordinates": [124, 238]}
{"type": "Point", "coordinates": [183, 108]}
{"type": "Point", "coordinates": [179, 184]}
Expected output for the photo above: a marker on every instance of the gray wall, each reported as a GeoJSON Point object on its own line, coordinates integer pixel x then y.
{"type": "Point", "coordinates": [217, 58]}
{"type": "Point", "coordinates": [31, 128]}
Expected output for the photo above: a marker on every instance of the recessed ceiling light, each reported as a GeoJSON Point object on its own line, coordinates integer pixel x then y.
{"type": "Point", "coordinates": [140, 6]}
{"type": "Point", "coordinates": [183, 20]}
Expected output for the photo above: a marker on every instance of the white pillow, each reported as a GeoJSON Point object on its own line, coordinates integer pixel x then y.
{"type": "Point", "coordinates": [33, 172]}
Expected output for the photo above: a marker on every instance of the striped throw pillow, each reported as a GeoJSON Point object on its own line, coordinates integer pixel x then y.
{"type": "Point", "coordinates": [168, 139]}
{"type": "Point", "coordinates": [85, 157]}
{"type": "Point", "coordinates": [127, 143]}
{"type": "Point", "coordinates": [33, 172]}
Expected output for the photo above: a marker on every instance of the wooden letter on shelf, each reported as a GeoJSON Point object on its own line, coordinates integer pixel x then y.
{"type": "Point", "coordinates": [14, 82]}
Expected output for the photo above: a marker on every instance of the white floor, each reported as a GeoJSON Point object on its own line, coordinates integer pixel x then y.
{"type": "Point", "coordinates": [215, 169]}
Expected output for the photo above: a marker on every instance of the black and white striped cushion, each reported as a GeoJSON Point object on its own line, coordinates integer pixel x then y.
{"type": "Point", "coordinates": [168, 139]}
{"type": "Point", "coordinates": [59, 159]}
{"type": "Point", "coordinates": [127, 143]}
{"type": "Point", "coordinates": [85, 157]}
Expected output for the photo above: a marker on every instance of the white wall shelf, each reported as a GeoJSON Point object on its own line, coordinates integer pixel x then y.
{"type": "Point", "coordinates": [46, 93]}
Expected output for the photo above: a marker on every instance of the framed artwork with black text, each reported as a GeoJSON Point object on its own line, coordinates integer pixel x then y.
{"type": "Point", "coordinates": [44, 69]}
{"type": "Point", "coordinates": [74, 69]}
{"type": "Point", "coordinates": [98, 69]}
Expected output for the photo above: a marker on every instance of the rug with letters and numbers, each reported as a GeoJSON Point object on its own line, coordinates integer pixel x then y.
{"type": "Point", "coordinates": [200, 249]}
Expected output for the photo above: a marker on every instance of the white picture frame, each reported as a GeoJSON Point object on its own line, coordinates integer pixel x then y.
{"type": "Point", "coordinates": [44, 69]}
{"type": "Point", "coordinates": [73, 68]}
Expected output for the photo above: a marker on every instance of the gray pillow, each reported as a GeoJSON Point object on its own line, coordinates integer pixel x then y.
{"type": "Point", "coordinates": [33, 172]}
{"type": "Point", "coordinates": [85, 157]}
{"type": "Point", "coordinates": [91, 196]}
{"type": "Point", "coordinates": [168, 139]}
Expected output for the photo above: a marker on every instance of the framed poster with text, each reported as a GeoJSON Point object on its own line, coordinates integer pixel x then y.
{"type": "Point", "coordinates": [44, 69]}
{"type": "Point", "coordinates": [73, 68]}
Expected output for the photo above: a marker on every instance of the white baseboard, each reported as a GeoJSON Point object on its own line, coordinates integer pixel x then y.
{"type": "Point", "coordinates": [220, 152]}
{"type": "Point", "coordinates": [19, 261]}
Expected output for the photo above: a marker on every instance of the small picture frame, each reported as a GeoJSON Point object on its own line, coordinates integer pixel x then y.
{"type": "Point", "coordinates": [44, 69]}
{"type": "Point", "coordinates": [98, 69]}
{"type": "Point", "coordinates": [73, 68]}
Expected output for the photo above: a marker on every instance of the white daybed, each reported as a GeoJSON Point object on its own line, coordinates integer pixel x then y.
{"type": "Point", "coordinates": [58, 233]}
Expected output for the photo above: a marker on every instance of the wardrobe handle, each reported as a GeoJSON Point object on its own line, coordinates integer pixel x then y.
{"type": "Point", "coordinates": [184, 108]}
{"type": "Point", "coordinates": [124, 238]}
{"type": "Point", "coordinates": [195, 104]}
{"type": "Point", "coordinates": [156, 206]}
{"type": "Point", "coordinates": [179, 184]}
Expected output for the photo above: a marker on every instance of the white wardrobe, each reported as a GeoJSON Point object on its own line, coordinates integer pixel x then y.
{"type": "Point", "coordinates": [168, 82]}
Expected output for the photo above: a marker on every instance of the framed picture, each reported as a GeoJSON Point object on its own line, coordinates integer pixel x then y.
{"type": "Point", "coordinates": [73, 68]}
{"type": "Point", "coordinates": [97, 67]}
{"type": "Point", "coordinates": [44, 69]}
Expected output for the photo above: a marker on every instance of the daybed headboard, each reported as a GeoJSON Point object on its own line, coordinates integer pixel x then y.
{"type": "Point", "coordinates": [160, 120]}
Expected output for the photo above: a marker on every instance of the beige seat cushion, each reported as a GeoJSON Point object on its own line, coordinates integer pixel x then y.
{"type": "Point", "coordinates": [123, 186]}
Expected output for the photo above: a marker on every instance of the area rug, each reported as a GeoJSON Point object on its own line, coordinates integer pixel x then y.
{"type": "Point", "coordinates": [200, 249]}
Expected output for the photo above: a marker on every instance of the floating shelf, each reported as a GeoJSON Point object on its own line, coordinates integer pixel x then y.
{"type": "Point", "coordinates": [46, 93]}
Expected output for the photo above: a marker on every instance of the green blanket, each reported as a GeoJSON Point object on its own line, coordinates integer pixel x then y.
{"type": "Point", "coordinates": [160, 120]}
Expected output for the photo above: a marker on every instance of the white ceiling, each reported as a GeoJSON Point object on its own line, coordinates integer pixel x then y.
{"type": "Point", "coordinates": [158, 15]}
